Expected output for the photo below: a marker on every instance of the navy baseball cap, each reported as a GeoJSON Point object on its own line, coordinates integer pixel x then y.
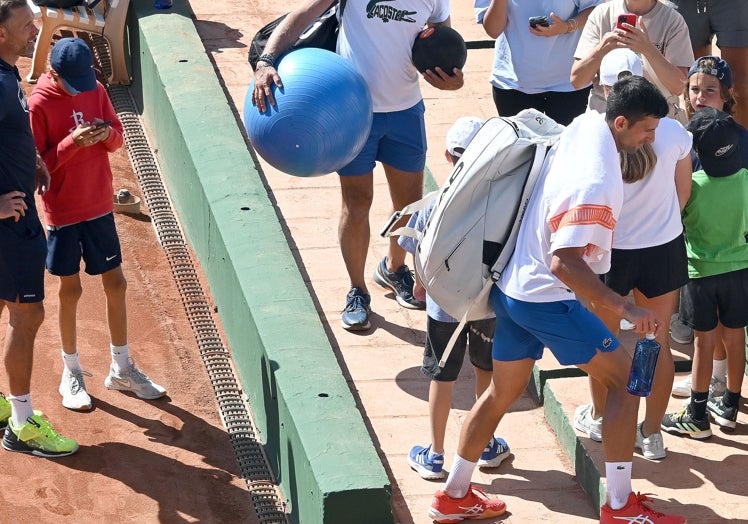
{"type": "Point", "coordinates": [72, 60]}
{"type": "Point", "coordinates": [716, 140]}
{"type": "Point", "coordinates": [721, 69]}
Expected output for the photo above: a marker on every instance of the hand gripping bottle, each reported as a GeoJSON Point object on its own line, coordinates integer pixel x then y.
{"type": "Point", "coordinates": [643, 366]}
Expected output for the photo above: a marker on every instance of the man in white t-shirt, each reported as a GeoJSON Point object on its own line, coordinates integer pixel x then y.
{"type": "Point", "coordinates": [564, 242]}
{"type": "Point", "coordinates": [660, 37]}
{"type": "Point", "coordinates": [376, 37]}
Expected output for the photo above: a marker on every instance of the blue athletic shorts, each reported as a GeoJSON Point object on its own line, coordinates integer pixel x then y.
{"type": "Point", "coordinates": [95, 241]}
{"type": "Point", "coordinates": [728, 19]}
{"type": "Point", "coordinates": [397, 139]}
{"type": "Point", "coordinates": [23, 248]}
{"type": "Point", "coordinates": [568, 329]}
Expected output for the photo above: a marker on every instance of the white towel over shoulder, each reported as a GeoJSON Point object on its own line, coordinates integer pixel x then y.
{"type": "Point", "coordinates": [577, 205]}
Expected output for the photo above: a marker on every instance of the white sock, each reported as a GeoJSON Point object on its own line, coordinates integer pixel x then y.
{"type": "Point", "coordinates": [120, 357]}
{"type": "Point", "coordinates": [618, 475]}
{"type": "Point", "coordinates": [432, 454]}
{"type": "Point", "coordinates": [21, 409]}
{"type": "Point", "coordinates": [458, 482]}
{"type": "Point", "coordinates": [719, 370]}
{"type": "Point", "coordinates": [71, 361]}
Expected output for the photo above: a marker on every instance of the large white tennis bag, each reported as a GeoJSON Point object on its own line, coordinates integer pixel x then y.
{"type": "Point", "coordinates": [471, 232]}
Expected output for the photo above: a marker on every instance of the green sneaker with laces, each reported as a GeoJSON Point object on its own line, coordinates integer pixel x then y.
{"type": "Point", "coordinates": [4, 411]}
{"type": "Point", "coordinates": [37, 437]}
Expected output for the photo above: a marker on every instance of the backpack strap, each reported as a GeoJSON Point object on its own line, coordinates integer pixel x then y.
{"type": "Point", "coordinates": [418, 205]}
{"type": "Point", "coordinates": [480, 299]}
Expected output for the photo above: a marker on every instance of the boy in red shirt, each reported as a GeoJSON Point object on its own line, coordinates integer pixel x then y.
{"type": "Point", "coordinates": [75, 128]}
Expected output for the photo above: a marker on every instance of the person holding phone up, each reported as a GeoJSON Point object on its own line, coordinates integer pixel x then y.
{"type": "Point", "coordinates": [75, 128]}
{"type": "Point", "coordinates": [535, 43]}
{"type": "Point", "coordinates": [659, 36]}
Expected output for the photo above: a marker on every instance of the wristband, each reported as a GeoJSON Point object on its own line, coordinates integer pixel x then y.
{"type": "Point", "coordinates": [267, 58]}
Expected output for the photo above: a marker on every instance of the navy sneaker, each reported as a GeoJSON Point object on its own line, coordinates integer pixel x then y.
{"type": "Point", "coordinates": [494, 454]}
{"type": "Point", "coordinates": [428, 465]}
{"type": "Point", "coordinates": [401, 283]}
{"type": "Point", "coordinates": [357, 308]}
{"type": "Point", "coordinates": [683, 423]}
{"type": "Point", "coordinates": [724, 416]}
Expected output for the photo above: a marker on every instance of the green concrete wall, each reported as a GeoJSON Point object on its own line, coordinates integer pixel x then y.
{"type": "Point", "coordinates": [314, 434]}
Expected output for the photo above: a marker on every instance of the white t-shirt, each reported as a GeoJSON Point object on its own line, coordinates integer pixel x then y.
{"type": "Point", "coordinates": [534, 64]}
{"type": "Point", "coordinates": [377, 38]}
{"type": "Point", "coordinates": [667, 31]}
{"type": "Point", "coordinates": [575, 204]}
{"type": "Point", "coordinates": [651, 214]}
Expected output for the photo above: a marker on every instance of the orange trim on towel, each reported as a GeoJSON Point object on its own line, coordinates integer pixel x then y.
{"type": "Point", "coordinates": [586, 214]}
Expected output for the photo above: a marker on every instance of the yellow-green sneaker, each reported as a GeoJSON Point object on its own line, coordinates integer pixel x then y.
{"type": "Point", "coordinates": [37, 437]}
{"type": "Point", "coordinates": [4, 411]}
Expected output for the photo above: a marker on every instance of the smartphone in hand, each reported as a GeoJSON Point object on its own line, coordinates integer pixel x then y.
{"type": "Point", "coordinates": [536, 21]}
{"type": "Point", "coordinates": [105, 123]}
{"type": "Point", "coordinates": [627, 18]}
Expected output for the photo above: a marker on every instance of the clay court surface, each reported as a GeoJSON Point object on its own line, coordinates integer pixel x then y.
{"type": "Point", "coordinates": [168, 460]}
{"type": "Point", "coordinates": [171, 460]}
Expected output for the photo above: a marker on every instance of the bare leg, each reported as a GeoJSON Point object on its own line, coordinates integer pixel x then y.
{"type": "Point", "coordinates": [482, 381]}
{"type": "Point", "coordinates": [656, 403]}
{"type": "Point", "coordinates": [703, 348]}
{"type": "Point", "coordinates": [598, 392]}
{"type": "Point", "coordinates": [619, 418]}
{"type": "Point", "coordinates": [115, 288]}
{"type": "Point", "coordinates": [23, 324]}
{"type": "Point", "coordinates": [440, 404]}
{"type": "Point", "coordinates": [353, 227]}
{"type": "Point", "coordinates": [69, 294]}
{"type": "Point", "coordinates": [509, 380]}
{"type": "Point", "coordinates": [405, 188]}
{"type": "Point", "coordinates": [734, 342]}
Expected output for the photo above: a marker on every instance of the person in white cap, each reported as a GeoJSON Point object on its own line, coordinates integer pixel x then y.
{"type": "Point", "coordinates": [460, 135]}
{"type": "Point", "coordinates": [75, 128]}
{"type": "Point", "coordinates": [618, 64]}
{"type": "Point", "coordinates": [649, 251]}
{"type": "Point", "coordinates": [477, 337]}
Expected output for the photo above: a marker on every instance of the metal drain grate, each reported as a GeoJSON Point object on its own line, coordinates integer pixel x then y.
{"type": "Point", "coordinates": [249, 452]}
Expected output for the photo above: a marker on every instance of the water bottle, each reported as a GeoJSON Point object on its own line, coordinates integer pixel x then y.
{"type": "Point", "coordinates": [162, 4]}
{"type": "Point", "coordinates": [643, 366]}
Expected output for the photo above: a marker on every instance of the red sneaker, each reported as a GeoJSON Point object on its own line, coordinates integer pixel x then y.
{"type": "Point", "coordinates": [636, 511]}
{"type": "Point", "coordinates": [474, 505]}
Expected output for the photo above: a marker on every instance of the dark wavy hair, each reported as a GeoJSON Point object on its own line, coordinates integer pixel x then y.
{"type": "Point", "coordinates": [635, 98]}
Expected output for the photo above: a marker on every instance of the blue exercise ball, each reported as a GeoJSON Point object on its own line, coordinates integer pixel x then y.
{"type": "Point", "coordinates": [321, 119]}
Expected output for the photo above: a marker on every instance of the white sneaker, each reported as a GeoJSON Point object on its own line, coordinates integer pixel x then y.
{"type": "Point", "coordinates": [584, 422]}
{"type": "Point", "coordinates": [652, 447]}
{"type": "Point", "coordinates": [679, 332]}
{"type": "Point", "coordinates": [73, 390]}
{"type": "Point", "coordinates": [133, 380]}
{"type": "Point", "coordinates": [682, 388]}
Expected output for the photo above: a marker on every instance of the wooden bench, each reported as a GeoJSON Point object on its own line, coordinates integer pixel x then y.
{"type": "Point", "coordinates": [106, 19]}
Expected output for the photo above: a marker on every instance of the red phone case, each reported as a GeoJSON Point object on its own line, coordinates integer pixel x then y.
{"type": "Point", "coordinates": [628, 18]}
